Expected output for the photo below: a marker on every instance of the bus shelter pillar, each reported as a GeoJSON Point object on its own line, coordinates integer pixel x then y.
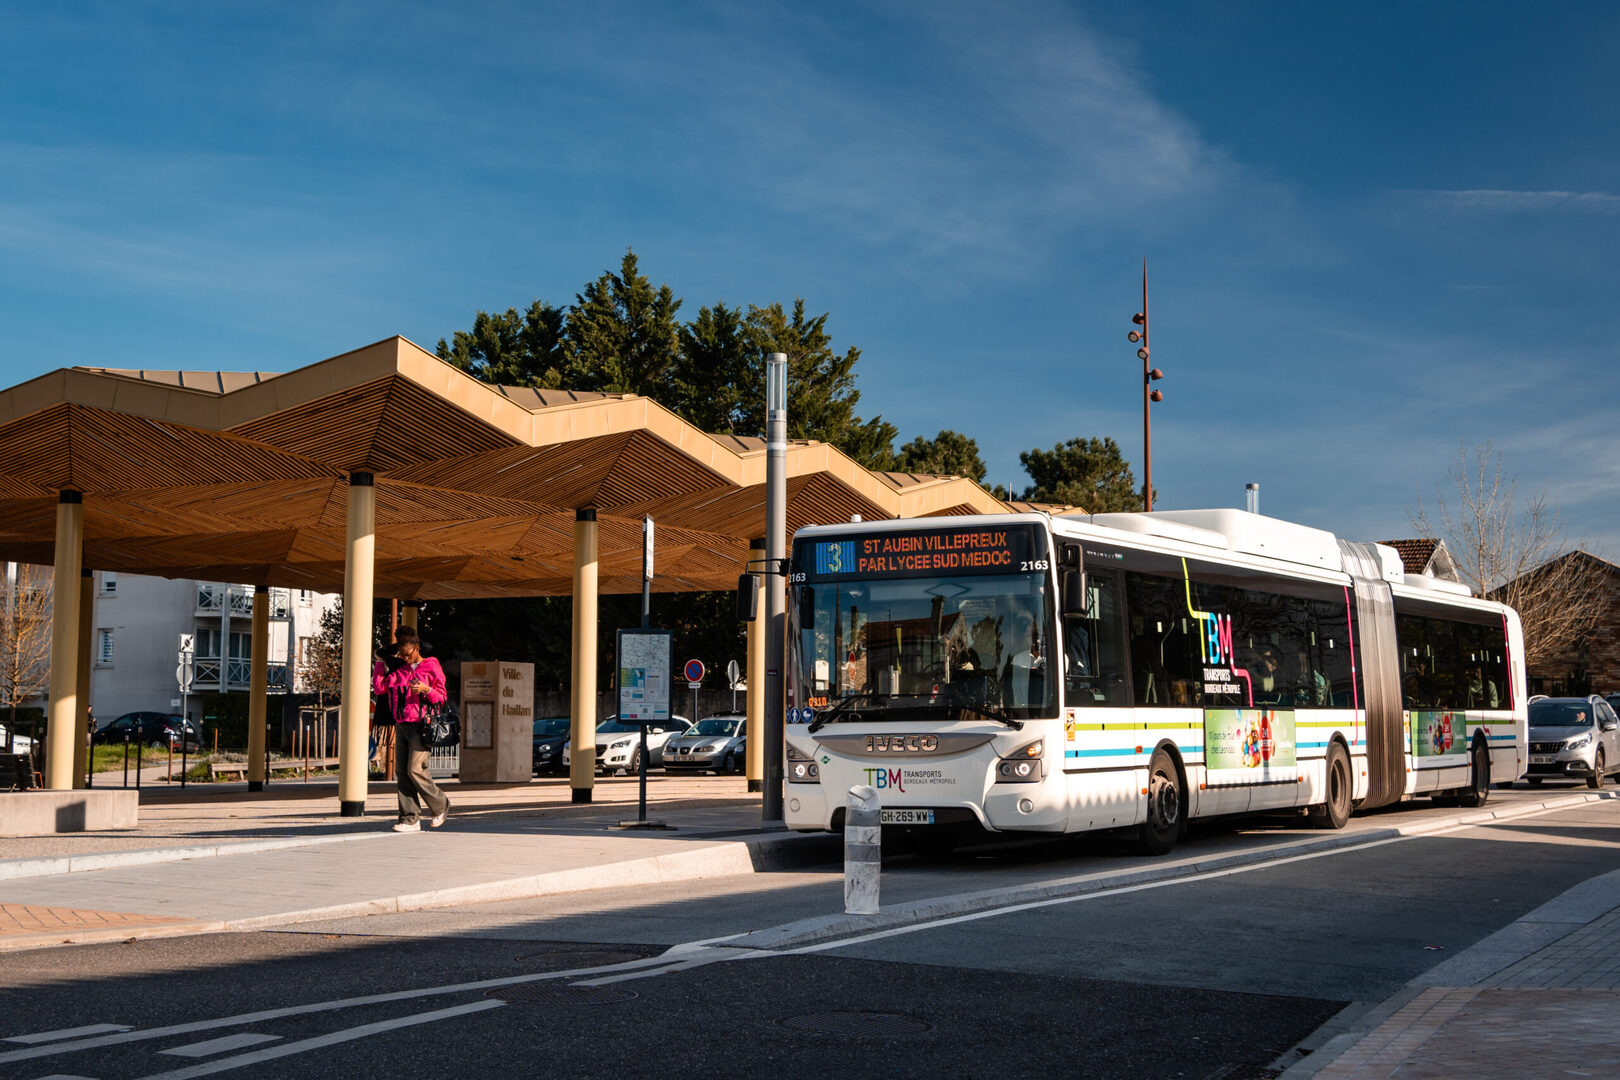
{"type": "Point", "coordinates": [87, 616]}
{"type": "Point", "coordinates": [62, 731]}
{"type": "Point", "coordinates": [258, 688]}
{"type": "Point", "coordinates": [582, 686]}
{"type": "Point", "coordinates": [354, 720]}
{"type": "Point", "coordinates": [756, 689]}
{"type": "Point", "coordinates": [409, 613]}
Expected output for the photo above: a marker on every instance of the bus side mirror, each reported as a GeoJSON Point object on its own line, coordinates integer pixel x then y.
{"type": "Point", "coordinates": [1074, 592]}
{"type": "Point", "coordinates": [747, 597]}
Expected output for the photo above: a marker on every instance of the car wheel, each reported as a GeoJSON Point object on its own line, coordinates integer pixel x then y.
{"type": "Point", "coordinates": [1334, 811]}
{"type": "Point", "coordinates": [1596, 779]}
{"type": "Point", "coordinates": [635, 763]}
{"type": "Point", "coordinates": [1480, 790]}
{"type": "Point", "coordinates": [729, 764]}
{"type": "Point", "coordinates": [1158, 834]}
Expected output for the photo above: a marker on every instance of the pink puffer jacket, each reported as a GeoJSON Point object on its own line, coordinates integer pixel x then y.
{"type": "Point", "coordinates": [395, 686]}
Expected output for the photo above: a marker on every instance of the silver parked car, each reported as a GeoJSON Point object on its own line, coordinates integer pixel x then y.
{"type": "Point", "coordinates": [1573, 738]}
{"type": "Point", "coordinates": [716, 742]}
{"type": "Point", "coordinates": [618, 743]}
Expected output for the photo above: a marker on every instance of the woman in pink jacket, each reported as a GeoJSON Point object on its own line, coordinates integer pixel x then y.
{"type": "Point", "coordinates": [406, 681]}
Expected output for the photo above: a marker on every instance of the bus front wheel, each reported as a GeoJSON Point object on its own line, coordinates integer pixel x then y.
{"type": "Point", "coordinates": [1334, 812]}
{"type": "Point", "coordinates": [1158, 834]}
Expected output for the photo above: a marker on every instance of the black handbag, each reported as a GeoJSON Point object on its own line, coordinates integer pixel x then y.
{"type": "Point", "coordinates": [442, 726]}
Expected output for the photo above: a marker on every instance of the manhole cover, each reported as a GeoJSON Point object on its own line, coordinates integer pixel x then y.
{"type": "Point", "coordinates": [858, 1024]}
{"type": "Point", "coordinates": [568, 960]}
{"type": "Point", "coordinates": [561, 993]}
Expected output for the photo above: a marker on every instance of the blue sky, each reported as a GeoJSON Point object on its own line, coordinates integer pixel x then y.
{"type": "Point", "coordinates": [1375, 232]}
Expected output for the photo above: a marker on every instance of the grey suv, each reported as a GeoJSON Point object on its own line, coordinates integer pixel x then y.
{"type": "Point", "coordinates": [1573, 738]}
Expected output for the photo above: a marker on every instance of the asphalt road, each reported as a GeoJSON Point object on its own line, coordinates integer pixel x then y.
{"type": "Point", "coordinates": [1211, 976]}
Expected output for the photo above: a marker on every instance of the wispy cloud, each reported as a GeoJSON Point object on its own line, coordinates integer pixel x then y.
{"type": "Point", "coordinates": [1498, 201]}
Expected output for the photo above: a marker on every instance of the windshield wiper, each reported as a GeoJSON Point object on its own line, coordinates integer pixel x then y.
{"type": "Point", "coordinates": [841, 708]}
{"type": "Point", "coordinates": [993, 713]}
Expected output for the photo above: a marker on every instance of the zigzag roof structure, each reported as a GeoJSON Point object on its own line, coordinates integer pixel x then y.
{"type": "Point", "coordinates": [242, 476]}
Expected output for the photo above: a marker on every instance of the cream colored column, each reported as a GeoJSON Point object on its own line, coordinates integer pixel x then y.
{"type": "Point", "coordinates": [756, 690]}
{"type": "Point", "coordinates": [87, 617]}
{"type": "Point", "coordinates": [582, 688]}
{"type": "Point", "coordinates": [259, 688]}
{"type": "Point", "coordinates": [409, 614]}
{"type": "Point", "coordinates": [64, 706]}
{"type": "Point", "coordinates": [359, 570]}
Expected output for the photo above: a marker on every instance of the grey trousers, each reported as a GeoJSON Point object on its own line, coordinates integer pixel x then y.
{"type": "Point", "coordinates": [411, 771]}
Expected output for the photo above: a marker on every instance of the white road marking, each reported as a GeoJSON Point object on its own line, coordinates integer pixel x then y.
{"type": "Point", "coordinates": [322, 1041]}
{"type": "Point", "coordinates": [677, 958]}
{"type": "Point", "coordinates": [264, 1015]}
{"type": "Point", "coordinates": [221, 1044]}
{"type": "Point", "coordinates": [66, 1033]}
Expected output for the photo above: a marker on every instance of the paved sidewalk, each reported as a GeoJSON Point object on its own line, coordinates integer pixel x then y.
{"type": "Point", "coordinates": [210, 819]}
{"type": "Point", "coordinates": [1538, 998]}
{"type": "Point", "coordinates": [499, 856]}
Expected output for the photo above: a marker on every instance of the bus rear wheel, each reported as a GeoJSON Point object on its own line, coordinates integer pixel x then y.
{"type": "Point", "coordinates": [1158, 834]}
{"type": "Point", "coordinates": [1334, 812]}
{"type": "Point", "coordinates": [1480, 789]}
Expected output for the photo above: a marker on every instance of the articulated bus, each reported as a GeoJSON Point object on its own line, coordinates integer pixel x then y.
{"type": "Point", "coordinates": [1030, 673]}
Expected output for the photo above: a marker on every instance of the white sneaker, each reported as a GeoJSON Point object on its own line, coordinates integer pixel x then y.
{"type": "Point", "coordinates": [408, 826]}
{"type": "Point", "coordinates": [438, 819]}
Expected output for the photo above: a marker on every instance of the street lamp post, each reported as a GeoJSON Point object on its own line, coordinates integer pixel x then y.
{"type": "Point", "coordinates": [1150, 375]}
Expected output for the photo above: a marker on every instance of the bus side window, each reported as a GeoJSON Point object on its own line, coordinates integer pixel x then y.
{"type": "Point", "coordinates": [1094, 646]}
{"type": "Point", "coordinates": [1164, 648]}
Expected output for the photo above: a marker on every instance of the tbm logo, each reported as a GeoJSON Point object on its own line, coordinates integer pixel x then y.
{"type": "Point", "coordinates": [1217, 637]}
{"type": "Point", "coordinates": [886, 778]}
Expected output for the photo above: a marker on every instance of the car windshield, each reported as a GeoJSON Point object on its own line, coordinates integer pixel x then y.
{"type": "Point", "coordinates": [613, 727]}
{"type": "Point", "coordinates": [557, 725]}
{"type": "Point", "coordinates": [716, 725]}
{"type": "Point", "coordinates": [1560, 714]}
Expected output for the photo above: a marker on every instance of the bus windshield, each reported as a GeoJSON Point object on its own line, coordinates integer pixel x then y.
{"type": "Point", "coordinates": [977, 634]}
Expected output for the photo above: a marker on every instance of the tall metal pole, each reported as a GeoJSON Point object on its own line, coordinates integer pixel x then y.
{"type": "Point", "coordinates": [775, 581]}
{"type": "Point", "coordinates": [1147, 388]}
{"type": "Point", "coordinates": [646, 571]}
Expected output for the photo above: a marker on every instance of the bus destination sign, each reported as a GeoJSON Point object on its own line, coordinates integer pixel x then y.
{"type": "Point", "coordinates": [935, 552]}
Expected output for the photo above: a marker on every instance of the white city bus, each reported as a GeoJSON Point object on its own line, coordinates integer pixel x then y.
{"type": "Point", "coordinates": [1029, 673]}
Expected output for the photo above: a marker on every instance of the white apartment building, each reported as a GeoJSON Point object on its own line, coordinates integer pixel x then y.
{"type": "Point", "coordinates": [138, 622]}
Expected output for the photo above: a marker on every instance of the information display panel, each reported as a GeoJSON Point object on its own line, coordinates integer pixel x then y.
{"type": "Point", "coordinates": [982, 549]}
{"type": "Point", "coordinates": [644, 670]}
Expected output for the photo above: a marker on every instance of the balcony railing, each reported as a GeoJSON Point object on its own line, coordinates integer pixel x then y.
{"type": "Point", "coordinates": [212, 600]}
{"type": "Point", "coordinates": [238, 673]}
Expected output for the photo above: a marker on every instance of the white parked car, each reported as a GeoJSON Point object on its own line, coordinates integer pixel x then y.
{"type": "Point", "coordinates": [618, 745]}
{"type": "Point", "coordinates": [715, 742]}
{"type": "Point", "coordinates": [21, 744]}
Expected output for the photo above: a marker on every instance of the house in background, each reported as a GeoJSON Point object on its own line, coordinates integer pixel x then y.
{"type": "Point", "coordinates": [1592, 664]}
{"type": "Point", "coordinates": [138, 623]}
{"type": "Point", "coordinates": [1425, 557]}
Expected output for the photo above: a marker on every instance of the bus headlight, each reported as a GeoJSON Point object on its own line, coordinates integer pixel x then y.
{"type": "Point", "coordinates": [1026, 765]}
{"type": "Point", "coordinates": [801, 769]}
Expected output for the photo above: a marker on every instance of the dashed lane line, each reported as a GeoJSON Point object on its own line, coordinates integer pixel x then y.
{"type": "Point", "coordinates": [320, 1042]}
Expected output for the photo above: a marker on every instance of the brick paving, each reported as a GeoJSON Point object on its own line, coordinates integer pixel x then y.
{"type": "Point", "coordinates": [31, 920]}
{"type": "Point", "coordinates": [1552, 1013]}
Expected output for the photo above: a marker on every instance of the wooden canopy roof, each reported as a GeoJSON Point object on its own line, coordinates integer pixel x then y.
{"type": "Point", "coordinates": [242, 476]}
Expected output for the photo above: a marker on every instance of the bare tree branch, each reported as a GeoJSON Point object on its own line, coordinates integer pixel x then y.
{"type": "Point", "coordinates": [1517, 555]}
{"type": "Point", "coordinates": [25, 637]}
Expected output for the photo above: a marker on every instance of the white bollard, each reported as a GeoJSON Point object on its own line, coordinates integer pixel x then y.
{"type": "Point", "coordinates": [863, 851]}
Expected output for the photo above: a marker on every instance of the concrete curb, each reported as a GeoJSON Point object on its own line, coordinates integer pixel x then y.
{"type": "Point", "coordinates": [831, 927]}
{"type": "Point", "coordinates": [13, 869]}
{"type": "Point", "coordinates": [713, 859]}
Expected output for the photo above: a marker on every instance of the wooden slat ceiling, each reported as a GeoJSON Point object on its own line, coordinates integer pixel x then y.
{"type": "Point", "coordinates": [244, 477]}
